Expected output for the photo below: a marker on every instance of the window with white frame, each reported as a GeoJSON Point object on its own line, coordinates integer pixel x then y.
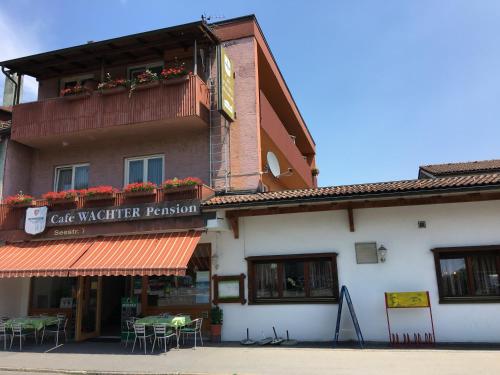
{"type": "Point", "coordinates": [155, 67]}
{"type": "Point", "coordinates": [144, 169]}
{"type": "Point", "coordinates": [70, 177]}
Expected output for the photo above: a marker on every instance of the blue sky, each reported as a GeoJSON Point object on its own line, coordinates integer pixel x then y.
{"type": "Point", "coordinates": [384, 86]}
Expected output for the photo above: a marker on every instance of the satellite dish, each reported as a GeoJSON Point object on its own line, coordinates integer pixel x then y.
{"type": "Point", "coordinates": [273, 164]}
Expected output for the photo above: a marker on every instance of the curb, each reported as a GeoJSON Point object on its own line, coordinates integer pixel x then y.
{"type": "Point", "coordinates": [91, 372]}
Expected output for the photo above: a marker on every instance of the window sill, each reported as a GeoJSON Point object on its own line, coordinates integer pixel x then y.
{"type": "Point", "coordinates": [459, 300]}
{"type": "Point", "coordinates": [284, 301]}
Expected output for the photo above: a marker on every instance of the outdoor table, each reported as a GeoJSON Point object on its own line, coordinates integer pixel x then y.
{"type": "Point", "coordinates": [175, 322]}
{"type": "Point", "coordinates": [35, 323]}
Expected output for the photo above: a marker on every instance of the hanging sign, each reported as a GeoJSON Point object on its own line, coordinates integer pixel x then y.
{"type": "Point", "coordinates": [396, 300]}
{"type": "Point", "coordinates": [225, 84]}
{"type": "Point", "coordinates": [36, 218]}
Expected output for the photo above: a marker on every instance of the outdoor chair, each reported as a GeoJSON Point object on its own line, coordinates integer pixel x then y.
{"type": "Point", "coordinates": [19, 331]}
{"type": "Point", "coordinates": [129, 329]}
{"type": "Point", "coordinates": [3, 334]}
{"type": "Point", "coordinates": [56, 329]}
{"type": "Point", "coordinates": [194, 329]}
{"type": "Point", "coordinates": [162, 333]}
{"type": "Point", "coordinates": [141, 335]}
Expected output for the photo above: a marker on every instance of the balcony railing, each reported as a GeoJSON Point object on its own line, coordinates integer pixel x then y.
{"type": "Point", "coordinates": [166, 102]}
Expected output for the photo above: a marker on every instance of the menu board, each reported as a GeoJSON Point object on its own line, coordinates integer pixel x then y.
{"type": "Point", "coordinates": [407, 299]}
{"type": "Point", "coordinates": [229, 289]}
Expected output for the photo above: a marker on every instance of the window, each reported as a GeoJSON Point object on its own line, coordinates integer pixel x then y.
{"type": "Point", "coordinates": [468, 274]}
{"type": "Point", "coordinates": [188, 290]}
{"type": "Point", "coordinates": [155, 67]}
{"type": "Point", "coordinates": [144, 169]}
{"type": "Point", "coordinates": [76, 80]}
{"type": "Point", "coordinates": [70, 177]}
{"type": "Point", "coordinates": [52, 292]}
{"type": "Point", "coordinates": [305, 278]}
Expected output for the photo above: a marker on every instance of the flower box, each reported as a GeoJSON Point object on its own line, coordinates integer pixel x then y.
{"type": "Point", "coordinates": [113, 90]}
{"type": "Point", "coordinates": [145, 86]}
{"type": "Point", "coordinates": [135, 194]}
{"type": "Point", "coordinates": [20, 205]}
{"type": "Point", "coordinates": [180, 193]}
{"type": "Point", "coordinates": [72, 97]}
{"type": "Point", "coordinates": [100, 197]}
{"type": "Point", "coordinates": [175, 81]}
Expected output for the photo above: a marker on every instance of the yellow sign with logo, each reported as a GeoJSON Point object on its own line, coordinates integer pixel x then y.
{"type": "Point", "coordinates": [226, 84]}
{"type": "Point", "coordinates": [407, 299]}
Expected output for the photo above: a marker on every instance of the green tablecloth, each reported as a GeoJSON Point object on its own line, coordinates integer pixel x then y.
{"type": "Point", "coordinates": [173, 321]}
{"type": "Point", "coordinates": [33, 323]}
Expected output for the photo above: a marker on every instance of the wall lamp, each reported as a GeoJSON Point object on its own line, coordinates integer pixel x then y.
{"type": "Point", "coordinates": [382, 253]}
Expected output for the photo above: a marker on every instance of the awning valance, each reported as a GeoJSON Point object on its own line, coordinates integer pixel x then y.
{"type": "Point", "coordinates": [41, 258]}
{"type": "Point", "coordinates": [143, 254]}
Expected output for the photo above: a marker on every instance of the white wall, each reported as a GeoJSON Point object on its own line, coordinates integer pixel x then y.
{"type": "Point", "coordinates": [409, 267]}
{"type": "Point", "coordinates": [14, 295]}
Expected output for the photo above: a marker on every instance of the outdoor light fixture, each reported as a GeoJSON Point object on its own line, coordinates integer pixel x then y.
{"type": "Point", "coordinates": [382, 253]}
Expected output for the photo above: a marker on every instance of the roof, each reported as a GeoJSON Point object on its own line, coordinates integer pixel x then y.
{"type": "Point", "coordinates": [6, 108]}
{"type": "Point", "coordinates": [115, 51]}
{"type": "Point", "coordinates": [359, 191]}
{"type": "Point", "coordinates": [470, 167]}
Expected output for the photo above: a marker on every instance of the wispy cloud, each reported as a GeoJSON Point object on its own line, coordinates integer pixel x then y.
{"type": "Point", "coordinates": [19, 39]}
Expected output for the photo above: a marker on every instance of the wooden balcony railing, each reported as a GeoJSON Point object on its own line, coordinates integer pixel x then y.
{"type": "Point", "coordinates": [182, 98]}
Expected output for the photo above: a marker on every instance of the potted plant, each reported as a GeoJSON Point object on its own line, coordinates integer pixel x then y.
{"type": "Point", "coordinates": [99, 195]}
{"type": "Point", "coordinates": [112, 86]}
{"type": "Point", "coordinates": [75, 92]}
{"type": "Point", "coordinates": [19, 200]}
{"type": "Point", "coordinates": [145, 80]}
{"type": "Point", "coordinates": [142, 190]}
{"type": "Point", "coordinates": [175, 74]}
{"type": "Point", "coordinates": [216, 317]}
{"type": "Point", "coordinates": [65, 198]}
{"type": "Point", "coordinates": [315, 172]}
{"type": "Point", "coordinates": [185, 188]}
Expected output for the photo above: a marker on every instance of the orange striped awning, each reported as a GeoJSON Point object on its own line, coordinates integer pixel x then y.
{"type": "Point", "coordinates": [144, 255]}
{"type": "Point", "coordinates": [41, 258]}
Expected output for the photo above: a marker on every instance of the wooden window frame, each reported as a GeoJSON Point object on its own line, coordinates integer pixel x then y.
{"type": "Point", "coordinates": [467, 252]}
{"type": "Point", "coordinates": [241, 282]}
{"type": "Point", "coordinates": [144, 67]}
{"type": "Point", "coordinates": [79, 79]}
{"type": "Point", "coordinates": [145, 161]}
{"type": "Point", "coordinates": [73, 168]}
{"type": "Point", "coordinates": [280, 260]}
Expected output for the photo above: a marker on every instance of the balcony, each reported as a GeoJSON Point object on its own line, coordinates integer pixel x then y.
{"type": "Point", "coordinates": [42, 123]}
{"type": "Point", "coordinates": [277, 139]}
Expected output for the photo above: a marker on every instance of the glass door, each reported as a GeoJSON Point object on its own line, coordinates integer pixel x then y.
{"type": "Point", "coordinates": [88, 307]}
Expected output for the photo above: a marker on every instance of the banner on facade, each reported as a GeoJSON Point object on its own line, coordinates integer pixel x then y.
{"type": "Point", "coordinates": [36, 218]}
{"type": "Point", "coordinates": [226, 84]}
{"type": "Point", "coordinates": [396, 300]}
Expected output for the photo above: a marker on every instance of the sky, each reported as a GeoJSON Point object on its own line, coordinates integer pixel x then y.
{"type": "Point", "coordinates": [384, 86]}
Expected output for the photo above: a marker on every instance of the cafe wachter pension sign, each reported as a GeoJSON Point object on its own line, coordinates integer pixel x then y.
{"type": "Point", "coordinates": [100, 215]}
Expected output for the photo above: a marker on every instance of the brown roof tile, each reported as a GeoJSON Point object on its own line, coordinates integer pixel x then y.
{"type": "Point", "coordinates": [473, 182]}
{"type": "Point", "coordinates": [470, 167]}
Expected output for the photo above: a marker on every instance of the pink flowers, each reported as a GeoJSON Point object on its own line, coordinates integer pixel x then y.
{"type": "Point", "coordinates": [99, 190]}
{"type": "Point", "coordinates": [19, 199]}
{"type": "Point", "coordinates": [61, 195]}
{"type": "Point", "coordinates": [175, 182]}
{"type": "Point", "coordinates": [110, 83]}
{"type": "Point", "coordinates": [139, 186]}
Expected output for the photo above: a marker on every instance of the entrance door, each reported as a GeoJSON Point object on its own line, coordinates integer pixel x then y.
{"type": "Point", "coordinates": [88, 320]}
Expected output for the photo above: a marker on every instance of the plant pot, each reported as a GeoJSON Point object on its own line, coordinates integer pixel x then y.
{"type": "Point", "coordinates": [145, 86]}
{"type": "Point", "coordinates": [140, 196]}
{"type": "Point", "coordinates": [215, 333]}
{"type": "Point", "coordinates": [100, 200]}
{"type": "Point", "coordinates": [73, 97]}
{"type": "Point", "coordinates": [21, 205]}
{"type": "Point", "coordinates": [113, 90]}
{"type": "Point", "coordinates": [176, 80]}
{"type": "Point", "coordinates": [180, 193]}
